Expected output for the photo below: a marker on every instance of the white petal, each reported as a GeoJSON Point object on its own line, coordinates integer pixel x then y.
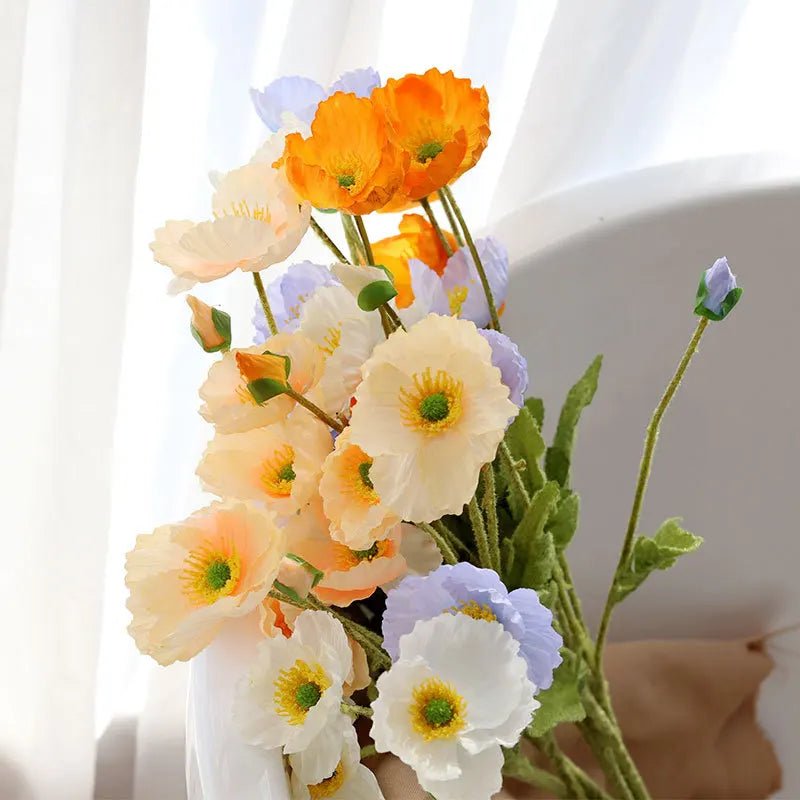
{"type": "Point", "coordinates": [481, 778]}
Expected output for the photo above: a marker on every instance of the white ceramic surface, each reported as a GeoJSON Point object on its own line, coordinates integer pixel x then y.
{"type": "Point", "coordinates": [612, 268]}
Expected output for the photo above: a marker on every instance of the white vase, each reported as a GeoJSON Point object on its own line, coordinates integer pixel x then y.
{"type": "Point", "coordinates": [219, 765]}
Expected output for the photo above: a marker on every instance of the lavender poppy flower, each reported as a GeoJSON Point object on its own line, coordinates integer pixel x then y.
{"type": "Point", "coordinates": [718, 292]}
{"type": "Point", "coordinates": [463, 285]}
{"type": "Point", "coordinates": [463, 588]}
{"type": "Point", "coordinates": [300, 96]}
{"type": "Point", "coordinates": [511, 363]}
{"type": "Point", "coordinates": [287, 295]}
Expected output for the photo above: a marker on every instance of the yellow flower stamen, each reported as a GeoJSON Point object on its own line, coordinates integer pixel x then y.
{"type": "Point", "coordinates": [210, 573]}
{"type": "Point", "coordinates": [277, 472]}
{"type": "Point", "coordinates": [434, 405]}
{"type": "Point", "coordinates": [242, 209]}
{"type": "Point", "coordinates": [244, 394]}
{"type": "Point", "coordinates": [333, 338]}
{"type": "Point", "coordinates": [474, 609]}
{"type": "Point", "coordinates": [457, 297]}
{"type": "Point", "coordinates": [355, 466]}
{"type": "Point", "coordinates": [298, 689]}
{"type": "Point", "coordinates": [345, 558]}
{"type": "Point", "coordinates": [328, 787]}
{"type": "Point", "coordinates": [437, 710]}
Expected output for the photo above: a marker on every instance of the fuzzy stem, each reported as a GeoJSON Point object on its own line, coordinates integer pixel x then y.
{"type": "Point", "coordinates": [448, 554]}
{"type": "Point", "coordinates": [641, 484]}
{"type": "Point", "coordinates": [362, 230]}
{"type": "Point", "coordinates": [314, 409]}
{"type": "Point", "coordinates": [490, 510]}
{"type": "Point", "coordinates": [439, 232]}
{"type": "Point", "coordinates": [487, 290]}
{"type": "Point", "coordinates": [451, 218]}
{"type": "Point", "coordinates": [262, 296]}
{"type": "Point", "coordinates": [353, 240]}
{"type": "Point", "coordinates": [328, 242]}
{"type": "Point", "coordinates": [516, 479]}
{"type": "Point", "coordinates": [356, 711]}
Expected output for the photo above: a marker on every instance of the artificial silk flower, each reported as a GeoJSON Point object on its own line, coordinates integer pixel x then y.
{"type": "Point", "coordinates": [417, 238]}
{"type": "Point", "coordinates": [292, 694]}
{"type": "Point", "coordinates": [348, 163]}
{"type": "Point", "coordinates": [480, 594]}
{"type": "Point", "coordinates": [288, 294]}
{"type": "Point", "coordinates": [441, 122]}
{"type": "Point", "coordinates": [228, 403]}
{"type": "Point", "coordinates": [350, 780]}
{"type": "Point", "coordinates": [717, 293]}
{"type": "Point", "coordinates": [346, 335]}
{"type": "Point", "coordinates": [457, 693]}
{"type": "Point", "coordinates": [210, 326]}
{"type": "Point", "coordinates": [300, 96]}
{"type": "Point", "coordinates": [350, 574]}
{"type": "Point", "coordinates": [257, 221]}
{"type": "Point", "coordinates": [357, 517]}
{"type": "Point", "coordinates": [430, 398]}
{"type": "Point", "coordinates": [511, 363]}
{"type": "Point", "coordinates": [186, 579]}
{"type": "Point", "coordinates": [279, 465]}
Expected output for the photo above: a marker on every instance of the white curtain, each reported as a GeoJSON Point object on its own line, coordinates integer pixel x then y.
{"type": "Point", "coordinates": [98, 374]}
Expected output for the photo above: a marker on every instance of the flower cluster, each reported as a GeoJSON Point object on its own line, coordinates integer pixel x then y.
{"type": "Point", "coordinates": [377, 427]}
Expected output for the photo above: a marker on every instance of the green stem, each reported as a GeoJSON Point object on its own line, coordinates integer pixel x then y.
{"type": "Point", "coordinates": [547, 744]}
{"type": "Point", "coordinates": [356, 711]}
{"type": "Point", "coordinates": [362, 230]}
{"type": "Point", "coordinates": [445, 549]}
{"type": "Point", "coordinates": [314, 409]}
{"type": "Point", "coordinates": [368, 751]}
{"type": "Point", "coordinates": [353, 240]}
{"type": "Point", "coordinates": [439, 232]}
{"type": "Point", "coordinates": [328, 242]}
{"type": "Point", "coordinates": [517, 484]}
{"type": "Point", "coordinates": [487, 290]}
{"type": "Point", "coordinates": [450, 537]}
{"type": "Point", "coordinates": [262, 296]}
{"type": "Point", "coordinates": [490, 510]}
{"type": "Point", "coordinates": [451, 218]}
{"type": "Point", "coordinates": [641, 485]}
{"type": "Point", "coordinates": [541, 779]}
{"type": "Point", "coordinates": [479, 532]}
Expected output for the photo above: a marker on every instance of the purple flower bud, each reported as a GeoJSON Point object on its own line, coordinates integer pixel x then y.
{"type": "Point", "coordinates": [717, 293]}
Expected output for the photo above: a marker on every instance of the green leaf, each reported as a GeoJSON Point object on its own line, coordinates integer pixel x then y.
{"type": "Point", "coordinates": [547, 594]}
{"type": "Point", "coordinates": [649, 554]}
{"type": "Point", "coordinates": [265, 389]}
{"type": "Point", "coordinates": [525, 441]}
{"type": "Point", "coordinates": [222, 323]}
{"type": "Point", "coordinates": [526, 540]}
{"type": "Point", "coordinates": [317, 573]}
{"type": "Point", "coordinates": [559, 455]}
{"type": "Point", "coordinates": [564, 522]}
{"type": "Point", "coordinates": [562, 701]}
{"type": "Point", "coordinates": [535, 406]}
{"type": "Point", "coordinates": [540, 562]}
{"type": "Point", "coordinates": [375, 294]}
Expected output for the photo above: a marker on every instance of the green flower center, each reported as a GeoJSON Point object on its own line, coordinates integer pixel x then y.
{"type": "Point", "coordinates": [308, 695]}
{"type": "Point", "coordinates": [287, 473]}
{"type": "Point", "coordinates": [435, 407]}
{"type": "Point", "coordinates": [346, 181]}
{"type": "Point", "coordinates": [364, 555]}
{"type": "Point", "coordinates": [218, 573]}
{"type": "Point", "coordinates": [363, 470]}
{"type": "Point", "coordinates": [438, 711]}
{"type": "Point", "coordinates": [428, 151]}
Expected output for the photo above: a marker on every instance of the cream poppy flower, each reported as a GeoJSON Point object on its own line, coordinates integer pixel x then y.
{"type": "Point", "coordinates": [351, 504]}
{"type": "Point", "coordinates": [280, 465]}
{"type": "Point", "coordinates": [349, 574]}
{"type": "Point", "coordinates": [258, 220]}
{"type": "Point", "coordinates": [228, 403]}
{"type": "Point", "coordinates": [186, 579]}
{"type": "Point", "coordinates": [292, 694]}
{"type": "Point", "coordinates": [347, 335]}
{"type": "Point", "coordinates": [350, 780]}
{"type": "Point", "coordinates": [431, 410]}
{"type": "Point", "coordinates": [457, 693]}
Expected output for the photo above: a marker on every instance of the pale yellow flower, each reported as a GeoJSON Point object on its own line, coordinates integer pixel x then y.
{"type": "Point", "coordinates": [280, 464]}
{"type": "Point", "coordinates": [258, 220]}
{"type": "Point", "coordinates": [357, 516]}
{"type": "Point", "coordinates": [186, 579]}
{"type": "Point", "coordinates": [430, 411]}
{"type": "Point", "coordinates": [228, 402]}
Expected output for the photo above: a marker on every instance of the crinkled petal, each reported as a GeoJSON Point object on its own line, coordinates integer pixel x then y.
{"type": "Point", "coordinates": [293, 93]}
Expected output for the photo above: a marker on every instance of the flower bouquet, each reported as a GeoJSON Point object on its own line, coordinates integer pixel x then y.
{"type": "Point", "coordinates": [390, 518]}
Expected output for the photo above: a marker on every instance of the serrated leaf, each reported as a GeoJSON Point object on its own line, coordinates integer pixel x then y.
{"type": "Point", "coordinates": [530, 530]}
{"type": "Point", "coordinates": [540, 562]}
{"type": "Point", "coordinates": [559, 454]}
{"type": "Point", "coordinates": [535, 406]}
{"type": "Point", "coordinates": [649, 554]}
{"type": "Point", "coordinates": [564, 522]}
{"type": "Point", "coordinates": [562, 701]}
{"type": "Point", "coordinates": [524, 439]}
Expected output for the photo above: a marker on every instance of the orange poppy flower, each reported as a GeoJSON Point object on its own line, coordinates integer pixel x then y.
{"type": "Point", "coordinates": [348, 163]}
{"type": "Point", "coordinates": [441, 121]}
{"type": "Point", "coordinates": [417, 239]}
